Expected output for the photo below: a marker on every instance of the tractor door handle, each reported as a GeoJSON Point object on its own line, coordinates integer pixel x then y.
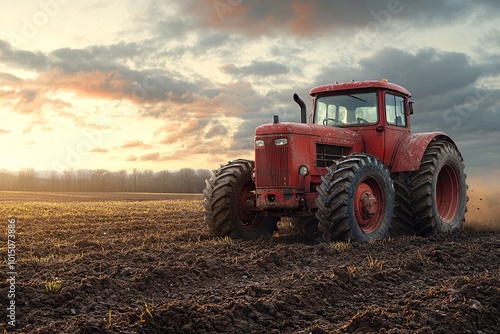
{"type": "Point", "coordinates": [380, 129]}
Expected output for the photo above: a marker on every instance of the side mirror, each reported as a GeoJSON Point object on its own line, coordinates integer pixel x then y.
{"type": "Point", "coordinates": [410, 104]}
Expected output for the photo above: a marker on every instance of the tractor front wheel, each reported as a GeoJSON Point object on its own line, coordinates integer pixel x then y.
{"type": "Point", "coordinates": [355, 200]}
{"type": "Point", "coordinates": [230, 203]}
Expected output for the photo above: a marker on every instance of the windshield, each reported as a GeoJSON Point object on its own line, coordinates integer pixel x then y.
{"type": "Point", "coordinates": [346, 109]}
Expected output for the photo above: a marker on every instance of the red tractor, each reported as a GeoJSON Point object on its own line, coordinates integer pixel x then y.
{"type": "Point", "coordinates": [356, 172]}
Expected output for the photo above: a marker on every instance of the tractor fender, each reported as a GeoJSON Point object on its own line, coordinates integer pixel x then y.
{"type": "Point", "coordinates": [411, 149]}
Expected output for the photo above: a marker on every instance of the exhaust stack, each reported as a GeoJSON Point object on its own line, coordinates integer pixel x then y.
{"type": "Point", "coordinates": [303, 111]}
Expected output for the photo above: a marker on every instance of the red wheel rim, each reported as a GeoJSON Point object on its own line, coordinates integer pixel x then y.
{"type": "Point", "coordinates": [369, 205]}
{"type": "Point", "coordinates": [447, 193]}
{"type": "Point", "coordinates": [246, 201]}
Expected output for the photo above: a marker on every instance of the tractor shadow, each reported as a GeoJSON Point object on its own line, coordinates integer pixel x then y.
{"type": "Point", "coordinates": [287, 235]}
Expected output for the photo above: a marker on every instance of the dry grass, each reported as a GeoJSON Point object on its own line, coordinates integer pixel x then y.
{"type": "Point", "coordinates": [340, 246]}
{"type": "Point", "coordinates": [374, 263]}
{"type": "Point", "coordinates": [128, 263]}
{"type": "Point", "coordinates": [79, 229]}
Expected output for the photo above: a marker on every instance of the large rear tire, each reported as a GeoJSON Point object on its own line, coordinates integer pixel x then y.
{"type": "Point", "coordinates": [355, 200]}
{"type": "Point", "coordinates": [439, 190]}
{"type": "Point", "coordinates": [402, 220]}
{"type": "Point", "coordinates": [230, 203]}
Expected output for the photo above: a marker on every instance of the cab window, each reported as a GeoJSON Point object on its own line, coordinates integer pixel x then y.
{"type": "Point", "coordinates": [356, 109]}
{"type": "Point", "coordinates": [395, 110]}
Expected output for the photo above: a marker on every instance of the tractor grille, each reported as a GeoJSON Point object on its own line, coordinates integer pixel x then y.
{"type": "Point", "coordinates": [271, 164]}
{"type": "Point", "coordinates": [326, 154]}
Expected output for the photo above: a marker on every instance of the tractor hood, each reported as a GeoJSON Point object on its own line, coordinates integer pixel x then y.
{"type": "Point", "coordinates": [324, 134]}
{"type": "Point", "coordinates": [294, 155]}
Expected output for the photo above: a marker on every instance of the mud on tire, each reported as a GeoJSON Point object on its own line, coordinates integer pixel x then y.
{"type": "Point", "coordinates": [402, 220]}
{"type": "Point", "coordinates": [438, 189]}
{"type": "Point", "coordinates": [230, 203]}
{"type": "Point", "coordinates": [356, 200]}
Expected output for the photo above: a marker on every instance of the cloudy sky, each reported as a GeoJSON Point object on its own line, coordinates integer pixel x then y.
{"type": "Point", "coordinates": [164, 85]}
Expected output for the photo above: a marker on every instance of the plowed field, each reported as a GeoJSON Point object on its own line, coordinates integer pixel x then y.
{"type": "Point", "coordinates": [146, 263]}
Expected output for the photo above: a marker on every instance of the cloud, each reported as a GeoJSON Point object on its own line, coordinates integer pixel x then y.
{"type": "Point", "coordinates": [29, 100]}
{"type": "Point", "coordinates": [135, 144]}
{"type": "Point", "coordinates": [211, 40]}
{"type": "Point", "coordinates": [256, 68]}
{"type": "Point", "coordinates": [151, 157]}
{"type": "Point", "coordinates": [215, 129]}
{"type": "Point", "coordinates": [490, 37]}
{"type": "Point", "coordinates": [209, 72]}
{"type": "Point", "coordinates": [98, 150]}
{"type": "Point", "coordinates": [101, 71]}
{"type": "Point", "coordinates": [425, 73]}
{"type": "Point", "coordinates": [23, 59]}
{"type": "Point", "coordinates": [321, 17]}
{"type": "Point", "coordinates": [157, 157]}
{"type": "Point", "coordinates": [95, 83]}
{"type": "Point", "coordinates": [9, 78]}
{"type": "Point", "coordinates": [182, 131]}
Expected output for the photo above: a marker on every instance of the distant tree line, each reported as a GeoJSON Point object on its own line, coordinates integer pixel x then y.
{"type": "Point", "coordinates": [186, 180]}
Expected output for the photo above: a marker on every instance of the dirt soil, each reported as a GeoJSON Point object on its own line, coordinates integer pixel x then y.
{"type": "Point", "coordinates": [142, 263]}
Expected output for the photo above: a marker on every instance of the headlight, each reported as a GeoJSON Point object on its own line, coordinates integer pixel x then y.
{"type": "Point", "coordinates": [303, 170]}
{"type": "Point", "coordinates": [281, 141]}
{"type": "Point", "coordinates": [259, 143]}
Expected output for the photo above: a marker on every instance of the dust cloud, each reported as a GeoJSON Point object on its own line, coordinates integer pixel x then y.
{"type": "Point", "coordinates": [483, 206]}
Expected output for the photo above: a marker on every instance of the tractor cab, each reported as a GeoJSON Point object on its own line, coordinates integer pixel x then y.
{"type": "Point", "coordinates": [377, 110]}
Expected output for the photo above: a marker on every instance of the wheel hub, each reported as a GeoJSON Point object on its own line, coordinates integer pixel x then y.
{"type": "Point", "coordinates": [367, 206]}
{"type": "Point", "coordinates": [246, 208]}
{"type": "Point", "coordinates": [367, 203]}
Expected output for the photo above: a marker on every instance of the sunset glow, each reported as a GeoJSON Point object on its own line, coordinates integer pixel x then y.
{"type": "Point", "coordinates": [148, 85]}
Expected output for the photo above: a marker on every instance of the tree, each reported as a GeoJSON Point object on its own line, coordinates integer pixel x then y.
{"type": "Point", "coordinates": [185, 180]}
{"type": "Point", "coordinates": [68, 179]}
{"type": "Point", "coordinates": [26, 179]}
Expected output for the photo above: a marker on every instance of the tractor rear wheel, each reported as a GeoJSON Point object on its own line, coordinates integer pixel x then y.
{"type": "Point", "coordinates": [402, 219]}
{"type": "Point", "coordinates": [230, 203]}
{"type": "Point", "coordinates": [356, 200]}
{"type": "Point", "coordinates": [439, 189]}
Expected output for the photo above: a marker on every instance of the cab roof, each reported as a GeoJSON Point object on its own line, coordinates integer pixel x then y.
{"type": "Point", "coordinates": [353, 85]}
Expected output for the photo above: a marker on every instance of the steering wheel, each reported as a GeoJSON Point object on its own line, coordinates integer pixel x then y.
{"type": "Point", "coordinates": [336, 121]}
{"type": "Point", "coordinates": [362, 120]}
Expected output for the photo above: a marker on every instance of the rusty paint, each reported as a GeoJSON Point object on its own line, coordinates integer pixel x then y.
{"type": "Point", "coordinates": [358, 85]}
{"type": "Point", "coordinates": [320, 134]}
{"type": "Point", "coordinates": [279, 187]}
{"type": "Point", "coordinates": [277, 167]}
{"type": "Point", "coordinates": [279, 199]}
{"type": "Point", "coordinates": [411, 149]}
